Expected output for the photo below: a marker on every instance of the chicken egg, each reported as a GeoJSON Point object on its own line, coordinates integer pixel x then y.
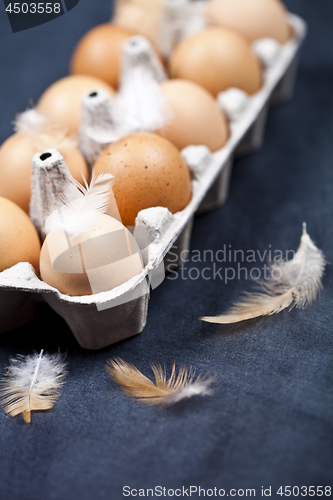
{"type": "Point", "coordinates": [195, 118]}
{"type": "Point", "coordinates": [141, 16]}
{"type": "Point", "coordinates": [15, 163]}
{"type": "Point", "coordinates": [99, 53]}
{"type": "Point", "coordinates": [217, 59]}
{"type": "Point", "coordinates": [61, 102]}
{"type": "Point", "coordinates": [19, 241]}
{"type": "Point", "coordinates": [149, 172]}
{"type": "Point", "coordinates": [252, 18]}
{"type": "Point", "coordinates": [98, 260]}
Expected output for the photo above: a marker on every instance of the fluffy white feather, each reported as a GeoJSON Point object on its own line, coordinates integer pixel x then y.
{"type": "Point", "coordinates": [292, 283]}
{"type": "Point", "coordinates": [76, 209]}
{"type": "Point", "coordinates": [43, 133]}
{"type": "Point", "coordinates": [32, 383]}
{"type": "Point", "coordinates": [140, 105]}
{"type": "Point", "coordinates": [164, 392]}
{"type": "Point", "coordinates": [29, 120]}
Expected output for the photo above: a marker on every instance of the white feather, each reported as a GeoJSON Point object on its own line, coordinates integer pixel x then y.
{"type": "Point", "coordinates": [43, 133]}
{"type": "Point", "coordinates": [292, 283]}
{"type": "Point", "coordinates": [140, 105]}
{"type": "Point", "coordinates": [32, 383]}
{"type": "Point", "coordinates": [76, 209]}
{"type": "Point", "coordinates": [29, 120]}
{"type": "Point", "coordinates": [197, 388]}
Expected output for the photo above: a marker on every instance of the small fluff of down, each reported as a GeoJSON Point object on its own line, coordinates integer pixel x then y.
{"type": "Point", "coordinates": [42, 132]}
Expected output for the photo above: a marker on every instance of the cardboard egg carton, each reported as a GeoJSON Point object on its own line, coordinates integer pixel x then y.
{"type": "Point", "coordinates": [108, 317]}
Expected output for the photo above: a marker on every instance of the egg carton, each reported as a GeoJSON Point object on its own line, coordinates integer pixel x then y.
{"type": "Point", "coordinates": [108, 317]}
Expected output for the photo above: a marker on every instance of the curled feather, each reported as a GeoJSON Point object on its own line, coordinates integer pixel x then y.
{"type": "Point", "coordinates": [163, 392]}
{"type": "Point", "coordinates": [292, 283]}
{"type": "Point", "coordinates": [75, 210]}
{"type": "Point", "coordinates": [32, 383]}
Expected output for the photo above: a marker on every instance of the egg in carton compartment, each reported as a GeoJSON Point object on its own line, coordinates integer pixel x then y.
{"type": "Point", "coordinates": [246, 114]}
{"type": "Point", "coordinates": [107, 317]}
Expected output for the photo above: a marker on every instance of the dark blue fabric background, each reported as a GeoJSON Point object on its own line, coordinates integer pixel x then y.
{"type": "Point", "coordinates": [269, 422]}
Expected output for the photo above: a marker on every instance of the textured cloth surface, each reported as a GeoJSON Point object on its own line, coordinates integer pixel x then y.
{"type": "Point", "coordinates": [269, 422]}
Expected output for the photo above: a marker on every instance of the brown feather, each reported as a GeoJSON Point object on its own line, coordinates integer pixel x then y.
{"type": "Point", "coordinates": [163, 392]}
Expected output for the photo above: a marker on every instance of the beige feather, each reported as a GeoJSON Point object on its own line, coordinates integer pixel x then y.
{"type": "Point", "coordinates": [292, 283]}
{"type": "Point", "coordinates": [32, 383]}
{"type": "Point", "coordinates": [163, 392]}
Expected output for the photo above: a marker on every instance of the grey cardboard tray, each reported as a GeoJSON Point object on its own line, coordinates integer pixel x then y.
{"type": "Point", "coordinates": [105, 318]}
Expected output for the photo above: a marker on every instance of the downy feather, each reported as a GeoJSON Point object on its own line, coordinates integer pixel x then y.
{"type": "Point", "coordinates": [76, 209]}
{"type": "Point", "coordinates": [32, 383]}
{"type": "Point", "coordinates": [163, 392]}
{"type": "Point", "coordinates": [292, 283]}
{"type": "Point", "coordinates": [140, 105]}
{"type": "Point", "coordinates": [43, 133]}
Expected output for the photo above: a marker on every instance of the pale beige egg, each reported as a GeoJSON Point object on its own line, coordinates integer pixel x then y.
{"type": "Point", "coordinates": [19, 241]}
{"type": "Point", "coordinates": [217, 59]}
{"type": "Point", "coordinates": [149, 172]}
{"type": "Point", "coordinates": [99, 53]}
{"type": "Point", "coordinates": [104, 257]}
{"type": "Point", "coordinates": [61, 102]}
{"type": "Point", "coordinates": [16, 155]}
{"type": "Point", "coordinates": [140, 16]}
{"type": "Point", "coordinates": [195, 117]}
{"type": "Point", "coordinates": [252, 18]}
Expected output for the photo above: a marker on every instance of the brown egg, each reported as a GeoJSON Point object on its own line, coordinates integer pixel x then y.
{"type": "Point", "coordinates": [149, 172]}
{"type": "Point", "coordinates": [254, 19]}
{"type": "Point", "coordinates": [196, 118]}
{"type": "Point", "coordinates": [61, 102]}
{"type": "Point", "coordinates": [96, 261]}
{"type": "Point", "coordinates": [19, 241]}
{"type": "Point", "coordinates": [99, 53]}
{"type": "Point", "coordinates": [141, 16]}
{"type": "Point", "coordinates": [217, 59]}
{"type": "Point", "coordinates": [15, 164]}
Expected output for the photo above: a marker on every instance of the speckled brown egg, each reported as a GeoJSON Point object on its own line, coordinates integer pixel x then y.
{"type": "Point", "coordinates": [15, 164]}
{"type": "Point", "coordinates": [149, 172]}
{"type": "Point", "coordinates": [19, 241]}
{"type": "Point", "coordinates": [217, 59]}
{"type": "Point", "coordinates": [61, 102]}
{"type": "Point", "coordinates": [99, 53]}
{"type": "Point", "coordinates": [196, 119]}
{"type": "Point", "coordinates": [254, 19]}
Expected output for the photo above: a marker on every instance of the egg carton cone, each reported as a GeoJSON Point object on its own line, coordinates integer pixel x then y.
{"type": "Point", "coordinates": [179, 19]}
{"type": "Point", "coordinates": [107, 317]}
